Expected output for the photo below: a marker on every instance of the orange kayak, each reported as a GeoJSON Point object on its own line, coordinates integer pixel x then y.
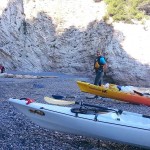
{"type": "Point", "coordinates": [113, 93]}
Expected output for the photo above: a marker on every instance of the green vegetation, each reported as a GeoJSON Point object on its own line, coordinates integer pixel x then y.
{"type": "Point", "coordinates": [126, 10]}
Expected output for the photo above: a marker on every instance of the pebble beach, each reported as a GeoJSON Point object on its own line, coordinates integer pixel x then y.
{"type": "Point", "coordinates": [17, 132]}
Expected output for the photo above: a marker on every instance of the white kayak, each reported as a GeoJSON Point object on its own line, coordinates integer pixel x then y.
{"type": "Point", "coordinates": [119, 126]}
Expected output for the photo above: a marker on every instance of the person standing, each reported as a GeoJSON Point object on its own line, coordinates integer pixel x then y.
{"type": "Point", "coordinates": [2, 69]}
{"type": "Point", "coordinates": [100, 66]}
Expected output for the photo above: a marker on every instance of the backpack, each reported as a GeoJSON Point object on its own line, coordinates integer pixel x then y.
{"type": "Point", "coordinates": [99, 62]}
{"type": "Point", "coordinates": [96, 65]}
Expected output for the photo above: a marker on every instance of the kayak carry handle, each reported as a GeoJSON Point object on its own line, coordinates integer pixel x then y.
{"type": "Point", "coordinates": [28, 100]}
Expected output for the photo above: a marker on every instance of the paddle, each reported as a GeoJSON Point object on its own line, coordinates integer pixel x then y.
{"type": "Point", "coordinates": [64, 102]}
{"type": "Point", "coordinates": [141, 94]}
{"type": "Point", "coordinates": [61, 97]}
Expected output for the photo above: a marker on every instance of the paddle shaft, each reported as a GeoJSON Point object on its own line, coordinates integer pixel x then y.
{"type": "Point", "coordinates": [61, 97]}
{"type": "Point", "coordinates": [141, 94]}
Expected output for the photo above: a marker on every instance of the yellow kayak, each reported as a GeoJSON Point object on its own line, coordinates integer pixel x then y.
{"type": "Point", "coordinates": [113, 93]}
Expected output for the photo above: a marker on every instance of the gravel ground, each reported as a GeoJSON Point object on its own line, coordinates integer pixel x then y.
{"type": "Point", "coordinates": [17, 132]}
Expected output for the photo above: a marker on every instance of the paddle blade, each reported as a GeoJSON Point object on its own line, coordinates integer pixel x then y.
{"type": "Point", "coordinates": [57, 101]}
{"type": "Point", "coordinates": [61, 97]}
{"type": "Point", "coordinates": [57, 96]}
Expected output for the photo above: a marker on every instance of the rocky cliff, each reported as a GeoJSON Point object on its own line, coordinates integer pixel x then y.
{"type": "Point", "coordinates": [62, 35]}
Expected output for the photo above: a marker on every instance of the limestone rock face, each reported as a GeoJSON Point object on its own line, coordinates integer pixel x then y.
{"type": "Point", "coordinates": [129, 58]}
{"type": "Point", "coordinates": [62, 35]}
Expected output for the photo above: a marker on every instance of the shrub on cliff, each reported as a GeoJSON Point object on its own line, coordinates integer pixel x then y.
{"type": "Point", "coordinates": [126, 10]}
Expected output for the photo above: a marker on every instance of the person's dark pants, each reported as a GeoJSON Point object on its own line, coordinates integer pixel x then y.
{"type": "Point", "coordinates": [99, 78]}
{"type": "Point", "coordinates": [2, 69]}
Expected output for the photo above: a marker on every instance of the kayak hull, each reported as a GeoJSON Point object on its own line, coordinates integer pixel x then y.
{"type": "Point", "coordinates": [109, 93]}
{"type": "Point", "coordinates": [130, 128]}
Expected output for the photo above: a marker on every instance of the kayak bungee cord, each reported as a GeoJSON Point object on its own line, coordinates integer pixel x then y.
{"type": "Point", "coordinates": [99, 108]}
{"type": "Point", "coordinates": [81, 104]}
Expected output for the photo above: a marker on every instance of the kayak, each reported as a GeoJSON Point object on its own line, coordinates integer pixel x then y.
{"type": "Point", "coordinates": [108, 124]}
{"type": "Point", "coordinates": [113, 93]}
